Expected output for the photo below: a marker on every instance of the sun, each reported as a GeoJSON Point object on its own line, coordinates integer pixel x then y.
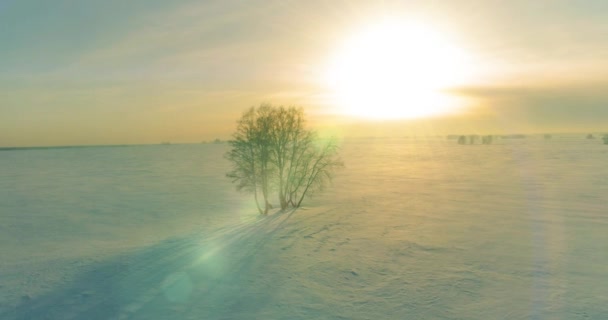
{"type": "Point", "coordinates": [396, 70]}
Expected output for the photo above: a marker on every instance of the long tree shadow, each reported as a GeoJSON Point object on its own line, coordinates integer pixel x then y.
{"type": "Point", "coordinates": [215, 266]}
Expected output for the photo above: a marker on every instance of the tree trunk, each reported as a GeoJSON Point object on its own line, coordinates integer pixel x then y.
{"type": "Point", "coordinates": [257, 202]}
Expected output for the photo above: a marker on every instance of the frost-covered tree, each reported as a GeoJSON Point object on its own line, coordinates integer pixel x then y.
{"type": "Point", "coordinates": [273, 151]}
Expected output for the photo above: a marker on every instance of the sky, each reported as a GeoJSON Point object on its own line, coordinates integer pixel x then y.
{"type": "Point", "coordinates": [145, 71]}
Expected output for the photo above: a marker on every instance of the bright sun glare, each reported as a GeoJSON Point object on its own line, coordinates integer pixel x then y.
{"type": "Point", "coordinates": [396, 70]}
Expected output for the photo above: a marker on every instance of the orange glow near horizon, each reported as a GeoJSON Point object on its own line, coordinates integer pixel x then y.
{"type": "Point", "coordinates": [396, 70]}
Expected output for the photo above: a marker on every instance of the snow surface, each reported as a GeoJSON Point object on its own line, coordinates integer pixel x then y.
{"type": "Point", "coordinates": [413, 229]}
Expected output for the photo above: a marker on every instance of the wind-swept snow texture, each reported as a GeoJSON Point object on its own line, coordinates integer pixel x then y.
{"type": "Point", "coordinates": [413, 229]}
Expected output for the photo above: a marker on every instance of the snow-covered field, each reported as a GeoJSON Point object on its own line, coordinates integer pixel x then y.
{"type": "Point", "coordinates": [412, 229]}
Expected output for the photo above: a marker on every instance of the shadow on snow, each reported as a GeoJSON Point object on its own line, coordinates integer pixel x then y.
{"type": "Point", "coordinates": [204, 275]}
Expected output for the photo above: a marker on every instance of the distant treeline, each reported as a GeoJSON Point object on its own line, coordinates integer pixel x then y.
{"type": "Point", "coordinates": [488, 139]}
{"type": "Point", "coordinates": [66, 147]}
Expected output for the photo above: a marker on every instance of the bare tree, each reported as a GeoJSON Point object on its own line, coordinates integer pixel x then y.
{"type": "Point", "coordinates": [287, 132]}
{"type": "Point", "coordinates": [272, 150]}
{"type": "Point", "coordinates": [250, 155]}
{"type": "Point", "coordinates": [313, 169]}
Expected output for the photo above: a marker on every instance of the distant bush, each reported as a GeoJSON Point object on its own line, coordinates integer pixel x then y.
{"type": "Point", "coordinates": [273, 151]}
{"type": "Point", "coordinates": [487, 139]}
{"type": "Point", "coordinates": [473, 138]}
{"type": "Point", "coordinates": [462, 140]}
{"type": "Point", "coordinates": [605, 139]}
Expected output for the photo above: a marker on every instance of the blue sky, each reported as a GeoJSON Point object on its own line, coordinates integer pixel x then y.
{"type": "Point", "coordinates": [145, 71]}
